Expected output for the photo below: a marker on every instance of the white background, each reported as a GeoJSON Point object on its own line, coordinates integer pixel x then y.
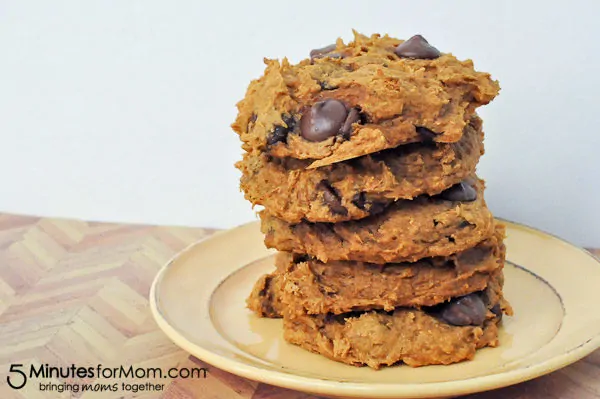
{"type": "Point", "coordinates": [121, 110]}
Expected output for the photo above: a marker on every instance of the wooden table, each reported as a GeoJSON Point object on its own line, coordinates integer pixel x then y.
{"type": "Point", "coordinates": [75, 292]}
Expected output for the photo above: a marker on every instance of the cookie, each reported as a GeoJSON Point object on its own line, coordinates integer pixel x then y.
{"type": "Point", "coordinates": [443, 334]}
{"type": "Point", "coordinates": [406, 231]}
{"type": "Point", "coordinates": [345, 286]}
{"type": "Point", "coordinates": [378, 339]}
{"type": "Point", "coordinates": [416, 337]}
{"type": "Point", "coordinates": [359, 98]}
{"type": "Point", "coordinates": [266, 297]}
{"type": "Point", "coordinates": [358, 188]}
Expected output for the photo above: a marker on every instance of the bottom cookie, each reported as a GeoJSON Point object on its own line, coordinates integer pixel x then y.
{"type": "Point", "coordinates": [378, 339]}
{"type": "Point", "coordinates": [443, 334]}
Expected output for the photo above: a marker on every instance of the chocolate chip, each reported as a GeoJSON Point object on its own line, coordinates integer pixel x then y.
{"type": "Point", "coordinates": [485, 297]}
{"type": "Point", "coordinates": [341, 319]}
{"type": "Point", "coordinates": [497, 310]}
{"type": "Point", "coordinates": [462, 191]}
{"type": "Point", "coordinates": [353, 117]}
{"type": "Point", "coordinates": [362, 202]}
{"type": "Point", "coordinates": [426, 134]}
{"type": "Point", "coordinates": [465, 224]}
{"type": "Point", "coordinates": [265, 289]}
{"type": "Point", "coordinates": [472, 181]}
{"type": "Point", "coordinates": [332, 198]}
{"type": "Point", "coordinates": [323, 120]}
{"type": "Point", "coordinates": [473, 256]}
{"type": "Point", "coordinates": [376, 207]}
{"type": "Point", "coordinates": [324, 52]}
{"type": "Point", "coordinates": [333, 201]}
{"type": "Point", "coordinates": [417, 47]}
{"type": "Point", "coordinates": [251, 122]}
{"type": "Point", "coordinates": [465, 311]}
{"type": "Point", "coordinates": [280, 132]}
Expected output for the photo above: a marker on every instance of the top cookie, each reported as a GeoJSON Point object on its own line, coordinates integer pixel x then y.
{"type": "Point", "coordinates": [358, 98]}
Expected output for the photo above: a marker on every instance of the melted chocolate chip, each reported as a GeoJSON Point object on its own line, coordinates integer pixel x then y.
{"type": "Point", "coordinates": [265, 289]}
{"type": "Point", "coordinates": [362, 202]}
{"type": "Point", "coordinates": [334, 203]}
{"type": "Point", "coordinates": [353, 117]}
{"type": "Point", "coordinates": [324, 52]}
{"type": "Point", "coordinates": [497, 310]}
{"type": "Point", "coordinates": [474, 255]}
{"type": "Point", "coordinates": [323, 120]}
{"type": "Point", "coordinates": [332, 198]}
{"type": "Point", "coordinates": [465, 311]}
{"type": "Point", "coordinates": [280, 132]}
{"type": "Point", "coordinates": [377, 207]}
{"type": "Point", "coordinates": [427, 135]}
{"type": "Point", "coordinates": [462, 191]}
{"type": "Point", "coordinates": [464, 224]}
{"type": "Point", "coordinates": [417, 47]}
{"type": "Point", "coordinates": [251, 122]}
{"type": "Point", "coordinates": [332, 55]}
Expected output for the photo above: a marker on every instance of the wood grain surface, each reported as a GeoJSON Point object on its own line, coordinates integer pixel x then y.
{"type": "Point", "coordinates": [74, 292]}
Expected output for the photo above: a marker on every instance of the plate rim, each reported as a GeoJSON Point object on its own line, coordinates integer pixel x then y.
{"type": "Point", "coordinates": [360, 389]}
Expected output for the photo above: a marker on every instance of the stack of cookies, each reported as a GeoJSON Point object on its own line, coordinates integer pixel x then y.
{"type": "Point", "coordinates": [363, 157]}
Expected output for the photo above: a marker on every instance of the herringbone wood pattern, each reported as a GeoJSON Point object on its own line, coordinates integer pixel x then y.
{"type": "Point", "coordinates": [75, 292]}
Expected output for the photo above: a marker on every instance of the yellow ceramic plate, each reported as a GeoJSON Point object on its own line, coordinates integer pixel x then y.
{"type": "Point", "coordinates": [198, 299]}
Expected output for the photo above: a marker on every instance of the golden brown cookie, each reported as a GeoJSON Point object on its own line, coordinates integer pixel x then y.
{"type": "Point", "coordinates": [377, 338]}
{"type": "Point", "coordinates": [406, 231]}
{"type": "Point", "coordinates": [359, 98]}
{"type": "Point", "coordinates": [358, 188]}
{"type": "Point", "coordinates": [345, 286]}
{"type": "Point", "coordinates": [416, 337]}
{"type": "Point", "coordinates": [266, 297]}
